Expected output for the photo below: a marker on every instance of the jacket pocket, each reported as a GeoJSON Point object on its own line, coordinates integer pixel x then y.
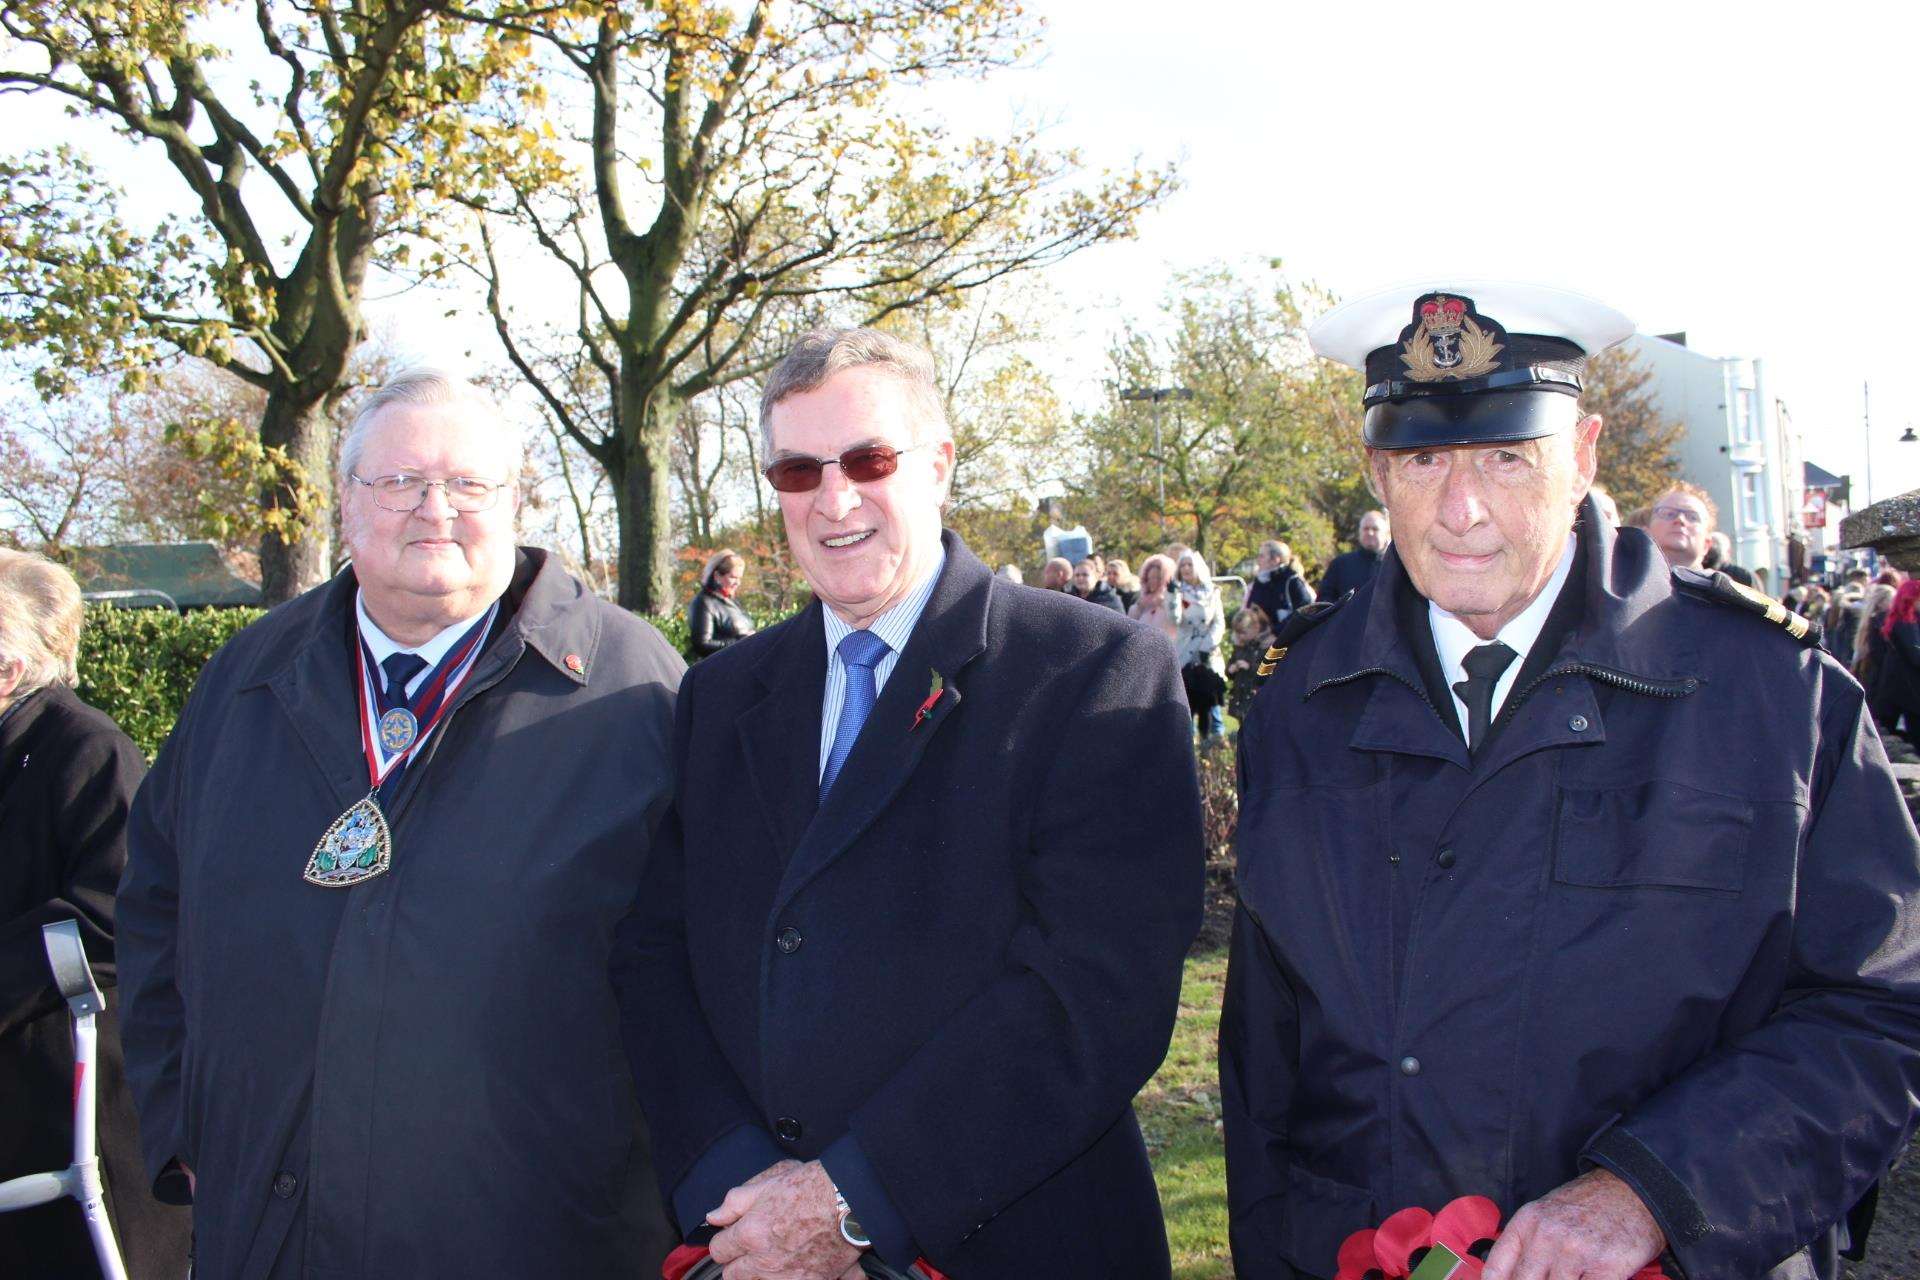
{"type": "Point", "coordinates": [1658, 834]}
{"type": "Point", "coordinates": [1321, 1213]}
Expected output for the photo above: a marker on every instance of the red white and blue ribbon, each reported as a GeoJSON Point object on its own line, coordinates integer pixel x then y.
{"type": "Point", "coordinates": [428, 706]}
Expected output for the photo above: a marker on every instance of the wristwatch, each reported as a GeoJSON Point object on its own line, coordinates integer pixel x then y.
{"type": "Point", "coordinates": [850, 1228]}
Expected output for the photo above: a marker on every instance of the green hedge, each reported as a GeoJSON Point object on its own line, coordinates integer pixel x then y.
{"type": "Point", "coordinates": [138, 665]}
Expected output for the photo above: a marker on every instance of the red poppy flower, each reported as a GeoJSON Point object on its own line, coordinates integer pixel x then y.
{"type": "Point", "coordinates": [1467, 1227]}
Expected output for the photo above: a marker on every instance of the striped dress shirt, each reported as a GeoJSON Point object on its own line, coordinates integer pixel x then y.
{"type": "Point", "coordinates": [894, 626]}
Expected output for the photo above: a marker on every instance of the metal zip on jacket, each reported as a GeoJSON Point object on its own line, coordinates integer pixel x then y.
{"type": "Point", "coordinates": [1605, 675]}
{"type": "Point", "coordinates": [1350, 677]}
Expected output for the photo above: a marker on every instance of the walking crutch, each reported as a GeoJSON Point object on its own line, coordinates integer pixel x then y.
{"type": "Point", "coordinates": [81, 1179]}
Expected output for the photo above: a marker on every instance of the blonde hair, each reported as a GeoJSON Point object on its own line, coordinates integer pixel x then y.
{"type": "Point", "coordinates": [1167, 571]}
{"type": "Point", "coordinates": [1879, 600]}
{"type": "Point", "coordinates": [40, 618]}
{"type": "Point", "coordinates": [1202, 575]}
{"type": "Point", "coordinates": [717, 563]}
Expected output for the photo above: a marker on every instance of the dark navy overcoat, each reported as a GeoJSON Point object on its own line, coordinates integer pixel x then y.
{"type": "Point", "coordinates": [422, 1075]}
{"type": "Point", "coordinates": [949, 980]}
{"type": "Point", "coordinates": [1667, 924]}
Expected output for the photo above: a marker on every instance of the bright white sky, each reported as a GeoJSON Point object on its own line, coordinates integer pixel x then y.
{"type": "Point", "coordinates": [1742, 172]}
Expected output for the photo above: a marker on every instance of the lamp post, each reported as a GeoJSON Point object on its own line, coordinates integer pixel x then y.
{"type": "Point", "coordinates": [1159, 396]}
{"type": "Point", "coordinates": [1866, 432]}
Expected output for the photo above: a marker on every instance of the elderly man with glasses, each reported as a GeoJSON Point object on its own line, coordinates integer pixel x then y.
{"type": "Point", "coordinates": [894, 993]}
{"type": "Point", "coordinates": [371, 887]}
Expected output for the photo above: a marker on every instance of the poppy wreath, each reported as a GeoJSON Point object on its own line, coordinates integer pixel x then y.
{"type": "Point", "coordinates": [690, 1262]}
{"type": "Point", "coordinates": [1467, 1226]}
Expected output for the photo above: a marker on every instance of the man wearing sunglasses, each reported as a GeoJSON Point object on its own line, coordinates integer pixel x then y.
{"type": "Point", "coordinates": [898, 984]}
{"type": "Point", "coordinates": [370, 887]}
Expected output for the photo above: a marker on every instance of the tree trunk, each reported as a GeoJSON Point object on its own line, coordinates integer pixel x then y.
{"type": "Point", "coordinates": [640, 492]}
{"type": "Point", "coordinates": [292, 564]}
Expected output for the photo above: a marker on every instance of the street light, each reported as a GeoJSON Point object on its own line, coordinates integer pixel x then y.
{"type": "Point", "coordinates": [1159, 396]}
{"type": "Point", "coordinates": [1866, 431]}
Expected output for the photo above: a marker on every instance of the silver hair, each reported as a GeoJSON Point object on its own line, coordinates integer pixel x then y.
{"type": "Point", "coordinates": [821, 353]}
{"type": "Point", "coordinates": [426, 386]}
{"type": "Point", "coordinates": [40, 618]}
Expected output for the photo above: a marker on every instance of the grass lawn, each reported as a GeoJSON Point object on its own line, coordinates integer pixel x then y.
{"type": "Point", "coordinates": [1180, 1114]}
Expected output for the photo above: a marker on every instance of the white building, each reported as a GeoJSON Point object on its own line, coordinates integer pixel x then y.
{"type": "Point", "coordinates": [1738, 445]}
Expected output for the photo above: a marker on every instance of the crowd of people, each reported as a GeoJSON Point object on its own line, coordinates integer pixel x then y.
{"type": "Point", "coordinates": [1175, 593]}
{"type": "Point", "coordinates": [1865, 623]}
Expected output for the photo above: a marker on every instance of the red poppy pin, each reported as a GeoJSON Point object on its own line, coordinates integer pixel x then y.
{"type": "Point", "coordinates": [575, 665]}
{"type": "Point", "coordinates": [934, 690]}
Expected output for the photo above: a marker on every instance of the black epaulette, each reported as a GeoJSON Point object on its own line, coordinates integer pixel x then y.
{"type": "Point", "coordinates": [1303, 620]}
{"type": "Point", "coordinates": [1711, 584]}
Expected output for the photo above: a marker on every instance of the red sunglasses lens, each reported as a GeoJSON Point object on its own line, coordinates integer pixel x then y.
{"type": "Point", "coordinates": [794, 475]}
{"type": "Point", "coordinates": [862, 465]}
{"type": "Point", "coordinates": [874, 462]}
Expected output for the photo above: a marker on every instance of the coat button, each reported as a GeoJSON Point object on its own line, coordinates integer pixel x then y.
{"type": "Point", "coordinates": [1578, 724]}
{"type": "Point", "coordinates": [788, 1129]}
{"type": "Point", "coordinates": [1445, 858]}
{"type": "Point", "coordinates": [1409, 1066]}
{"type": "Point", "coordinates": [285, 1184]}
{"type": "Point", "coordinates": [788, 940]}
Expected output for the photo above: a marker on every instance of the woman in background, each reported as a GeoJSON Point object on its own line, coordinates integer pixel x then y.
{"type": "Point", "coordinates": [67, 777]}
{"type": "Point", "coordinates": [715, 618]}
{"type": "Point", "coordinates": [1203, 625]}
{"type": "Point", "coordinates": [1898, 687]}
{"type": "Point", "coordinates": [1158, 605]}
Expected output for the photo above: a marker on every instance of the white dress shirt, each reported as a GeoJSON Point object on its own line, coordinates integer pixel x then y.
{"type": "Point", "coordinates": [1453, 639]}
{"type": "Point", "coordinates": [383, 646]}
{"type": "Point", "coordinates": [894, 626]}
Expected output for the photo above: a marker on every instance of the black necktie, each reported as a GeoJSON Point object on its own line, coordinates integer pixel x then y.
{"type": "Point", "coordinates": [1484, 664]}
{"type": "Point", "coordinates": [401, 668]}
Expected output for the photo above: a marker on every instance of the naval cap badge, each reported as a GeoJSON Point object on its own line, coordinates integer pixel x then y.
{"type": "Point", "coordinates": [1449, 339]}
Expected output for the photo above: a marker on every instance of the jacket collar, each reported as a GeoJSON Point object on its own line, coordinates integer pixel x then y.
{"type": "Point", "coordinates": [1621, 629]}
{"type": "Point", "coordinates": [542, 600]}
{"type": "Point", "coordinates": [782, 756]}
{"type": "Point", "coordinates": [20, 716]}
{"type": "Point", "coordinates": [314, 675]}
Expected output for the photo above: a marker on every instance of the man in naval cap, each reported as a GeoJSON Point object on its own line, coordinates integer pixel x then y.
{"type": "Point", "coordinates": [1567, 880]}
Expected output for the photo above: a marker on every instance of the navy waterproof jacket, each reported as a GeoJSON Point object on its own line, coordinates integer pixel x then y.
{"type": "Point", "coordinates": [1668, 924]}
{"type": "Point", "coordinates": [422, 1075]}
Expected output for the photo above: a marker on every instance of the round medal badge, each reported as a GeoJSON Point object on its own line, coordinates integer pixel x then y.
{"type": "Point", "coordinates": [397, 730]}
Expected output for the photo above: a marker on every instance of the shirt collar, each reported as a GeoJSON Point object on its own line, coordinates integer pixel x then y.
{"type": "Point", "coordinates": [896, 624]}
{"type": "Point", "coordinates": [1453, 639]}
{"type": "Point", "coordinates": [383, 646]}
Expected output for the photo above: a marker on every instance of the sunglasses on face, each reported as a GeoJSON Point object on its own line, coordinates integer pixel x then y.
{"type": "Point", "coordinates": [861, 464]}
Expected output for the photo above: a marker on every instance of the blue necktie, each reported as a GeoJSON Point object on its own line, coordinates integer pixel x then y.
{"type": "Point", "coordinates": [401, 668]}
{"type": "Point", "coordinates": [860, 653]}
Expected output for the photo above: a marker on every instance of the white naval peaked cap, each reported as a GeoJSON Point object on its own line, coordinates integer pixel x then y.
{"type": "Point", "coordinates": [1356, 329]}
